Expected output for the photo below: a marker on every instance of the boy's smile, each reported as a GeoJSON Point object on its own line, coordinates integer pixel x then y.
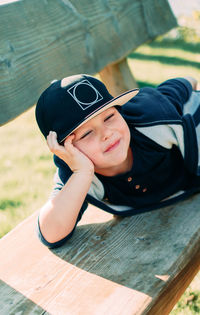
{"type": "Point", "coordinates": [112, 146]}
{"type": "Point", "coordinates": [105, 140]}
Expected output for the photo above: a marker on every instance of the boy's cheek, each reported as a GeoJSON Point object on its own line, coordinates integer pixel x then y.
{"type": "Point", "coordinates": [92, 155]}
{"type": "Point", "coordinates": [81, 148]}
{"type": "Point", "coordinates": [91, 151]}
{"type": "Point", "coordinates": [76, 142]}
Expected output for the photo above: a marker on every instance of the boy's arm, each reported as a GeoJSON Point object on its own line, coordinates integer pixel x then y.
{"type": "Point", "coordinates": [192, 81]}
{"type": "Point", "coordinates": [59, 215]}
{"type": "Point", "coordinates": [178, 91]}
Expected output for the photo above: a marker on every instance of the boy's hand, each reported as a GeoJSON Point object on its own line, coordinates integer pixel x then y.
{"type": "Point", "coordinates": [75, 159]}
{"type": "Point", "coordinates": [193, 82]}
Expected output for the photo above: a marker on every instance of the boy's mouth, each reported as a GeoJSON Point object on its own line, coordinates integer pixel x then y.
{"type": "Point", "coordinates": [112, 146]}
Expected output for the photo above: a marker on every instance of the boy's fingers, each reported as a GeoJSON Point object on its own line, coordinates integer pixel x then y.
{"type": "Point", "coordinates": [52, 135]}
{"type": "Point", "coordinates": [49, 139]}
{"type": "Point", "coordinates": [56, 148]}
{"type": "Point", "coordinates": [52, 141]}
{"type": "Point", "coordinates": [69, 139]}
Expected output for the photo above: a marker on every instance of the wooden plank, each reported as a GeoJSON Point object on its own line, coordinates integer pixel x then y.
{"type": "Point", "coordinates": [118, 78]}
{"type": "Point", "coordinates": [126, 266]}
{"type": "Point", "coordinates": [46, 40]}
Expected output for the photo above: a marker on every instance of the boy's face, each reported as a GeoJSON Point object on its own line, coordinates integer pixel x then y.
{"type": "Point", "coordinates": [105, 140]}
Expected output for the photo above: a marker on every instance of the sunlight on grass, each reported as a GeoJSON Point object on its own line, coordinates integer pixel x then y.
{"type": "Point", "coordinates": [169, 52]}
{"type": "Point", "coordinates": [154, 72]}
{"type": "Point", "coordinates": [189, 304]}
{"type": "Point", "coordinates": [153, 65]}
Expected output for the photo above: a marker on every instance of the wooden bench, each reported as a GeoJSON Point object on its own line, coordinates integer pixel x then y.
{"type": "Point", "coordinates": [135, 265]}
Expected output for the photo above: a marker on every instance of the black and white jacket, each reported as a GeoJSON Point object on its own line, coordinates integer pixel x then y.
{"type": "Point", "coordinates": [167, 118]}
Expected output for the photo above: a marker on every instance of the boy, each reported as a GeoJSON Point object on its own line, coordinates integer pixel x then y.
{"type": "Point", "coordinates": [126, 155]}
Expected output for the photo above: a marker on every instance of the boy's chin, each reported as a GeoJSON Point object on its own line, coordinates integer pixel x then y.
{"type": "Point", "coordinates": [113, 164]}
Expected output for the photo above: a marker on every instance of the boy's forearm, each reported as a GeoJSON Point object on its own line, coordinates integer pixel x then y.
{"type": "Point", "coordinates": [58, 216]}
{"type": "Point", "coordinates": [192, 81]}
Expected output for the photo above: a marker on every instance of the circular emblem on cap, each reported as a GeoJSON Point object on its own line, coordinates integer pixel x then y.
{"type": "Point", "coordinates": [85, 94]}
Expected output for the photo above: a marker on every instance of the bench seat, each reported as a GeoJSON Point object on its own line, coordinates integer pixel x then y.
{"type": "Point", "coordinates": [134, 265]}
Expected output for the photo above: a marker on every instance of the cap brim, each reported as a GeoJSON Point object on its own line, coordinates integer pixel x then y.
{"type": "Point", "coordinates": [116, 101]}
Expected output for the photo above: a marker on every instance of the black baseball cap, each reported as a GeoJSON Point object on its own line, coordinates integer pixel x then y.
{"type": "Point", "coordinates": [68, 103]}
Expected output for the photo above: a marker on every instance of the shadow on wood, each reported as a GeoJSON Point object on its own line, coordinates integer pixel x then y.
{"type": "Point", "coordinates": [14, 302]}
{"type": "Point", "coordinates": [138, 251]}
{"type": "Point", "coordinates": [126, 266]}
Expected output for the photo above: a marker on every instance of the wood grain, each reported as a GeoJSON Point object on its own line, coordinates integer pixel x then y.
{"type": "Point", "coordinates": [118, 77]}
{"type": "Point", "coordinates": [45, 40]}
{"type": "Point", "coordinates": [135, 265]}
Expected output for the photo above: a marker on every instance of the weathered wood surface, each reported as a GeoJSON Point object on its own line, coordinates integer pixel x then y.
{"type": "Point", "coordinates": [118, 77]}
{"type": "Point", "coordinates": [42, 40]}
{"type": "Point", "coordinates": [136, 265]}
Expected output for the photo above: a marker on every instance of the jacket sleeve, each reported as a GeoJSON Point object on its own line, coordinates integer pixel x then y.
{"type": "Point", "coordinates": [178, 92]}
{"type": "Point", "coordinates": [161, 105]}
{"type": "Point", "coordinates": [63, 240]}
{"type": "Point", "coordinates": [157, 112]}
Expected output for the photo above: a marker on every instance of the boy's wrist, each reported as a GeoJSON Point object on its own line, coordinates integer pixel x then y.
{"type": "Point", "coordinates": [192, 81]}
{"type": "Point", "coordinates": [89, 172]}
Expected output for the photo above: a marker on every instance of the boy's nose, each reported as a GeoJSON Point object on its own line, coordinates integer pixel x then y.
{"type": "Point", "coordinates": [106, 133]}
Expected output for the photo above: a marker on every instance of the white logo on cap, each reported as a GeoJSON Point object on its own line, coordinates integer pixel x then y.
{"type": "Point", "coordinates": [84, 105]}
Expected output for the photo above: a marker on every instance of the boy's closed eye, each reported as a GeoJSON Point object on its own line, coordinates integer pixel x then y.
{"type": "Point", "coordinates": [87, 133]}
{"type": "Point", "coordinates": [109, 116]}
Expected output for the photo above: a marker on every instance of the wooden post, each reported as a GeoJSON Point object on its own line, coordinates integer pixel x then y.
{"type": "Point", "coordinates": [118, 78]}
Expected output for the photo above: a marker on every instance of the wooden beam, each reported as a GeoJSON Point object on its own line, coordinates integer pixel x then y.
{"type": "Point", "coordinates": [118, 77]}
{"type": "Point", "coordinates": [47, 40]}
{"type": "Point", "coordinates": [172, 293]}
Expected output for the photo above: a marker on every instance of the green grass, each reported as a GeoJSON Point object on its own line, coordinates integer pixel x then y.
{"type": "Point", "coordinates": [189, 304]}
{"type": "Point", "coordinates": [26, 167]}
{"type": "Point", "coordinates": [26, 170]}
{"type": "Point", "coordinates": [158, 61]}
